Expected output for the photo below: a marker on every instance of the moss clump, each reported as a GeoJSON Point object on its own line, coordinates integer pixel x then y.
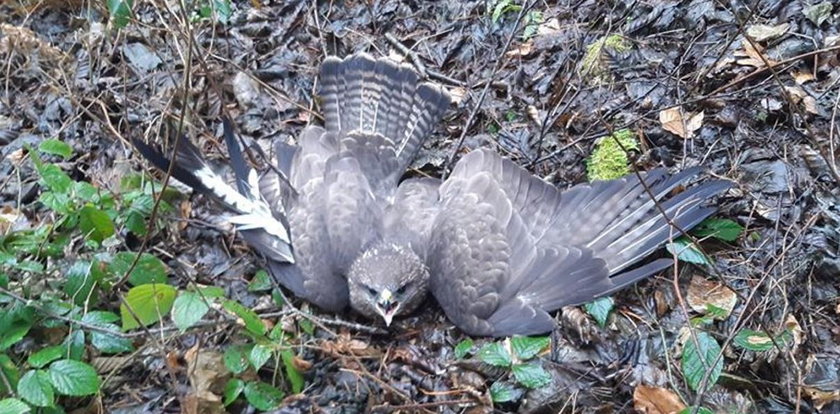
{"type": "Point", "coordinates": [592, 65]}
{"type": "Point", "coordinates": [608, 160]}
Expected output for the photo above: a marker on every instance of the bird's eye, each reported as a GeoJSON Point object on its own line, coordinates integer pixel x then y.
{"type": "Point", "coordinates": [401, 289]}
{"type": "Point", "coordinates": [371, 291]}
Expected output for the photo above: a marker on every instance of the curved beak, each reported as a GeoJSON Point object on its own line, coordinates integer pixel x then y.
{"type": "Point", "coordinates": [387, 307]}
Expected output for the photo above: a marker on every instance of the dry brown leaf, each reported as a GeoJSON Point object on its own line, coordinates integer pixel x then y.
{"type": "Point", "coordinates": [523, 49]}
{"type": "Point", "coordinates": [801, 97]}
{"type": "Point", "coordinates": [656, 400]}
{"type": "Point", "coordinates": [208, 377]}
{"type": "Point", "coordinates": [751, 56]}
{"type": "Point", "coordinates": [802, 77]}
{"type": "Point", "coordinates": [457, 94]}
{"type": "Point", "coordinates": [703, 292]}
{"type": "Point", "coordinates": [792, 325]}
{"type": "Point", "coordinates": [681, 124]}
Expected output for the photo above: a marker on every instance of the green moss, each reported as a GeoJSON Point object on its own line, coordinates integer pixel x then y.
{"type": "Point", "coordinates": [609, 160]}
{"type": "Point", "coordinates": [591, 64]}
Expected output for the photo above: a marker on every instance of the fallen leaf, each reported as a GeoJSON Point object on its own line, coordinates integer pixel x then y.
{"type": "Point", "coordinates": [523, 49]}
{"type": "Point", "coordinates": [703, 292]}
{"type": "Point", "coordinates": [656, 400]}
{"type": "Point", "coordinates": [799, 96]}
{"type": "Point", "coordinates": [792, 325]}
{"type": "Point", "coordinates": [681, 124]}
{"type": "Point", "coordinates": [752, 56]}
{"type": "Point", "coordinates": [457, 94]}
{"type": "Point", "coordinates": [802, 77]}
{"type": "Point", "coordinates": [762, 32]}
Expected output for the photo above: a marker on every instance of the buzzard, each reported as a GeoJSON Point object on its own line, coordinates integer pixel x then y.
{"type": "Point", "coordinates": [497, 247]}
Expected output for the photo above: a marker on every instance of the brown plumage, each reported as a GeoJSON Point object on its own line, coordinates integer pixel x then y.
{"type": "Point", "coordinates": [497, 247]}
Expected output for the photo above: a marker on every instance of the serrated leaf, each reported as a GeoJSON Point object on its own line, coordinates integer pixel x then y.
{"type": "Point", "coordinates": [74, 378]}
{"type": "Point", "coordinates": [495, 354]}
{"type": "Point", "coordinates": [75, 344]}
{"type": "Point", "coordinates": [46, 355]}
{"type": "Point", "coordinates": [55, 178]}
{"type": "Point", "coordinates": [723, 229]}
{"type": "Point", "coordinates": [103, 341]}
{"type": "Point", "coordinates": [149, 302]}
{"type": "Point", "coordinates": [600, 309]}
{"type": "Point", "coordinates": [259, 355]}
{"type": "Point", "coordinates": [502, 392]}
{"type": "Point", "coordinates": [95, 223]}
{"type": "Point", "coordinates": [13, 406]}
{"type": "Point", "coordinates": [260, 282]}
{"type": "Point", "coordinates": [233, 389]}
{"type": "Point", "coordinates": [188, 309]}
{"type": "Point", "coordinates": [531, 375]}
{"type": "Point", "coordinates": [55, 147]}
{"type": "Point", "coordinates": [249, 318]}
{"type": "Point", "coordinates": [464, 348]}
{"type": "Point", "coordinates": [36, 389]}
{"type": "Point", "coordinates": [686, 251]}
{"type": "Point", "coordinates": [263, 396]}
{"type": "Point", "coordinates": [698, 359]}
{"type": "Point", "coordinates": [753, 340]}
{"type": "Point", "coordinates": [236, 358]}
{"type": "Point", "coordinates": [307, 326]}
{"type": "Point", "coordinates": [527, 347]}
{"type": "Point", "coordinates": [292, 374]}
{"type": "Point", "coordinates": [149, 269]}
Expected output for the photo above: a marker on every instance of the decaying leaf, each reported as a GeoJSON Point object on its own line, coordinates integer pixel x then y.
{"type": "Point", "coordinates": [802, 77]}
{"type": "Point", "coordinates": [683, 124]}
{"type": "Point", "coordinates": [703, 292]}
{"type": "Point", "coordinates": [656, 400]}
{"type": "Point", "coordinates": [799, 96]}
{"type": "Point", "coordinates": [208, 376]}
{"type": "Point", "coordinates": [762, 32]}
{"type": "Point", "coordinates": [752, 56]}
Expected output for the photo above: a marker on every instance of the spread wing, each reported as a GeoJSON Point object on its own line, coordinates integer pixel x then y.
{"type": "Point", "coordinates": [507, 248]}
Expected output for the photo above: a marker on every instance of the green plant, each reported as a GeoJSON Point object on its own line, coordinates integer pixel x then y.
{"type": "Point", "coordinates": [65, 274]}
{"type": "Point", "coordinates": [609, 157]}
{"type": "Point", "coordinates": [516, 354]}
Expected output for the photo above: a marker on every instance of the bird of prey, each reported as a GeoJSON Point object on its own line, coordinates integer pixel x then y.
{"type": "Point", "coordinates": [498, 247]}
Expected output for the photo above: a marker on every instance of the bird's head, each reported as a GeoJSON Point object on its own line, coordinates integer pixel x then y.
{"type": "Point", "coordinates": [387, 280]}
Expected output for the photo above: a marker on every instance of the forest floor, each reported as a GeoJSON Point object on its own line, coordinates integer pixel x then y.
{"type": "Point", "coordinates": [748, 90]}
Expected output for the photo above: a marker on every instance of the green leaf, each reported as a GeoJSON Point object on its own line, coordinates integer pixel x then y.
{"type": "Point", "coordinates": [753, 340]}
{"type": "Point", "coordinates": [600, 309]}
{"type": "Point", "coordinates": [55, 178]}
{"type": "Point", "coordinates": [531, 375]}
{"type": "Point", "coordinates": [189, 308]}
{"type": "Point", "coordinates": [95, 224]}
{"type": "Point", "coordinates": [686, 251]}
{"type": "Point", "coordinates": [46, 355]}
{"type": "Point", "coordinates": [81, 279]}
{"type": "Point", "coordinates": [74, 378]}
{"type": "Point", "coordinates": [723, 229]}
{"type": "Point", "coordinates": [149, 268]}
{"type": "Point", "coordinates": [263, 396]}
{"type": "Point", "coordinates": [697, 359]}
{"type": "Point", "coordinates": [120, 12]}
{"type": "Point", "coordinates": [464, 348]}
{"type": "Point", "coordinates": [223, 10]}
{"type": "Point", "coordinates": [55, 147]}
{"type": "Point", "coordinates": [233, 389]}
{"type": "Point", "coordinates": [527, 347]}
{"type": "Point", "coordinates": [75, 344]}
{"type": "Point", "coordinates": [10, 372]}
{"type": "Point", "coordinates": [149, 302]}
{"type": "Point", "coordinates": [58, 202]}
{"type": "Point", "coordinates": [252, 321]}
{"type": "Point", "coordinates": [292, 374]}
{"type": "Point", "coordinates": [13, 406]}
{"type": "Point", "coordinates": [236, 358]}
{"type": "Point", "coordinates": [502, 392]}
{"type": "Point", "coordinates": [307, 326]}
{"type": "Point", "coordinates": [260, 282]}
{"type": "Point", "coordinates": [35, 388]}
{"type": "Point", "coordinates": [696, 410]}
{"type": "Point", "coordinates": [259, 355]}
{"type": "Point", "coordinates": [103, 341]}
{"type": "Point", "coordinates": [13, 328]}
{"type": "Point", "coordinates": [495, 354]}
